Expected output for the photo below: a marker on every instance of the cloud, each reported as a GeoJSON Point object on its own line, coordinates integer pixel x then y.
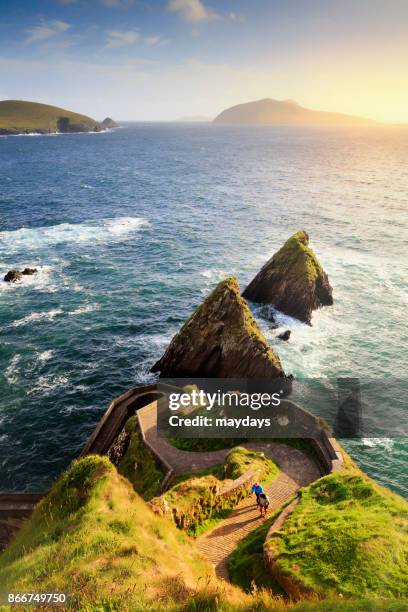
{"type": "Point", "coordinates": [113, 3]}
{"type": "Point", "coordinates": [152, 40]}
{"type": "Point", "coordinates": [121, 39]}
{"type": "Point", "coordinates": [118, 38]}
{"type": "Point", "coordinates": [45, 30]}
{"type": "Point", "coordinates": [192, 11]}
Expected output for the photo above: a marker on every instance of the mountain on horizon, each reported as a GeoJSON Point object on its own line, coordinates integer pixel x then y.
{"type": "Point", "coordinates": [270, 111]}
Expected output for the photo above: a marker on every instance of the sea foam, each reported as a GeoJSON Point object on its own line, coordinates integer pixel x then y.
{"type": "Point", "coordinates": [37, 316]}
{"type": "Point", "coordinates": [103, 230]}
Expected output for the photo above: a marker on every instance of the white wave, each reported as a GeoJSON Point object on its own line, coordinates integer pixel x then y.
{"type": "Point", "coordinates": [45, 279]}
{"type": "Point", "coordinates": [104, 230]}
{"type": "Point", "coordinates": [12, 371]}
{"type": "Point", "coordinates": [37, 316]}
{"type": "Point", "coordinates": [45, 355]}
{"type": "Point", "coordinates": [44, 384]}
{"type": "Point", "coordinates": [214, 274]}
{"type": "Point", "coordinates": [84, 309]}
{"type": "Point", "coordinates": [385, 443]}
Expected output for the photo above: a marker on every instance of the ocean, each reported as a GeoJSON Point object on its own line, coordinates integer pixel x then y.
{"type": "Point", "coordinates": [131, 229]}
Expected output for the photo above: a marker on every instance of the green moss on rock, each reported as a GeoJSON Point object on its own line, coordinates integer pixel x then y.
{"type": "Point", "coordinates": [293, 280]}
{"type": "Point", "coordinates": [220, 340]}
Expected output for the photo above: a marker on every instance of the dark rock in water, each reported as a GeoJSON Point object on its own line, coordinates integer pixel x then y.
{"type": "Point", "coordinates": [109, 123]}
{"type": "Point", "coordinates": [285, 335]}
{"type": "Point", "coordinates": [65, 126]}
{"type": "Point", "coordinates": [220, 340]}
{"type": "Point", "coordinates": [29, 271]}
{"type": "Point", "coordinates": [12, 276]}
{"type": "Point", "coordinates": [293, 280]}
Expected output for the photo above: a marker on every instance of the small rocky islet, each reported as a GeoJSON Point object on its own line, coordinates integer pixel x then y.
{"type": "Point", "coordinates": [292, 280]}
{"type": "Point", "coordinates": [13, 276]}
{"type": "Point", "coordinates": [222, 339]}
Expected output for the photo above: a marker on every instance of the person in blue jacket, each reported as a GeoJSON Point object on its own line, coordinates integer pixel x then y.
{"type": "Point", "coordinates": [257, 489]}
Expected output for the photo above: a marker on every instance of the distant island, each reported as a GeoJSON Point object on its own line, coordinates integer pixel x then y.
{"type": "Point", "coordinates": [269, 111]}
{"type": "Point", "coordinates": [23, 117]}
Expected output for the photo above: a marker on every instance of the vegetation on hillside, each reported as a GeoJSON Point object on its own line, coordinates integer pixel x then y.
{"type": "Point", "coordinates": [96, 539]}
{"type": "Point", "coordinates": [348, 535]}
{"type": "Point", "coordinates": [22, 116]}
{"type": "Point", "coordinates": [194, 501]}
{"type": "Point", "coordinates": [139, 465]}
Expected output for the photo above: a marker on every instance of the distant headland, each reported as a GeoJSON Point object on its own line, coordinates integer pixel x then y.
{"type": "Point", "coordinates": [23, 117]}
{"type": "Point", "coordinates": [269, 111]}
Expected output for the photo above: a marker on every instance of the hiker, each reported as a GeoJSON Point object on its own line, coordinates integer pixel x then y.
{"type": "Point", "coordinates": [263, 503]}
{"type": "Point", "coordinates": [257, 489]}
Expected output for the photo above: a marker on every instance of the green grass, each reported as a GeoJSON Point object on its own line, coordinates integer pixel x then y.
{"type": "Point", "coordinates": [31, 116]}
{"type": "Point", "coordinates": [194, 499]}
{"type": "Point", "coordinates": [199, 445]}
{"type": "Point", "coordinates": [239, 460]}
{"type": "Point", "coordinates": [347, 535]}
{"type": "Point", "coordinates": [139, 465]}
{"type": "Point", "coordinates": [96, 539]}
{"type": "Point", "coordinates": [212, 444]}
{"type": "Point", "coordinates": [246, 567]}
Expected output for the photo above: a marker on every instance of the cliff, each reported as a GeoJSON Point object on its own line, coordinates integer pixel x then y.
{"type": "Point", "coordinates": [269, 111]}
{"type": "Point", "coordinates": [220, 340]}
{"type": "Point", "coordinates": [23, 117]}
{"type": "Point", "coordinates": [292, 280]}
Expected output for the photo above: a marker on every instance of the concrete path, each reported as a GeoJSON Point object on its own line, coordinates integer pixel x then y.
{"type": "Point", "coordinates": [296, 470]}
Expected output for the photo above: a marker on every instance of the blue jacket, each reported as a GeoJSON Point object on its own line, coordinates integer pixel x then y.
{"type": "Point", "coordinates": [257, 490]}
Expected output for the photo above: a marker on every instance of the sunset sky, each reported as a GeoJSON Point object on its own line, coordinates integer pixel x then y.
{"type": "Point", "coordinates": [159, 60]}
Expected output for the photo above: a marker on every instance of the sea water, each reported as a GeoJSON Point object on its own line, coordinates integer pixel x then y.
{"type": "Point", "coordinates": [131, 229]}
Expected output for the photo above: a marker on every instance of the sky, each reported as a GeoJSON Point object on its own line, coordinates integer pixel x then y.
{"type": "Point", "coordinates": [165, 59]}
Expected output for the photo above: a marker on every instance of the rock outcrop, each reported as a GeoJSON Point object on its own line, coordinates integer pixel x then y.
{"type": "Point", "coordinates": [293, 280]}
{"type": "Point", "coordinates": [220, 340]}
{"type": "Point", "coordinates": [29, 271]}
{"type": "Point", "coordinates": [109, 123]}
{"type": "Point", "coordinates": [66, 126]}
{"type": "Point", "coordinates": [13, 276]}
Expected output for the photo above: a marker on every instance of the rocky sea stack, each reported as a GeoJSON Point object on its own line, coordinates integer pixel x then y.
{"type": "Point", "coordinates": [292, 280]}
{"type": "Point", "coordinates": [220, 340]}
{"type": "Point", "coordinates": [109, 123]}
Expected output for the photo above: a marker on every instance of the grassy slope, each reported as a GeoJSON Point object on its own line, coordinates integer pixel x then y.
{"type": "Point", "coordinates": [139, 464]}
{"type": "Point", "coordinates": [347, 535]}
{"type": "Point", "coordinates": [195, 492]}
{"type": "Point", "coordinates": [23, 115]}
{"type": "Point", "coordinates": [95, 538]}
